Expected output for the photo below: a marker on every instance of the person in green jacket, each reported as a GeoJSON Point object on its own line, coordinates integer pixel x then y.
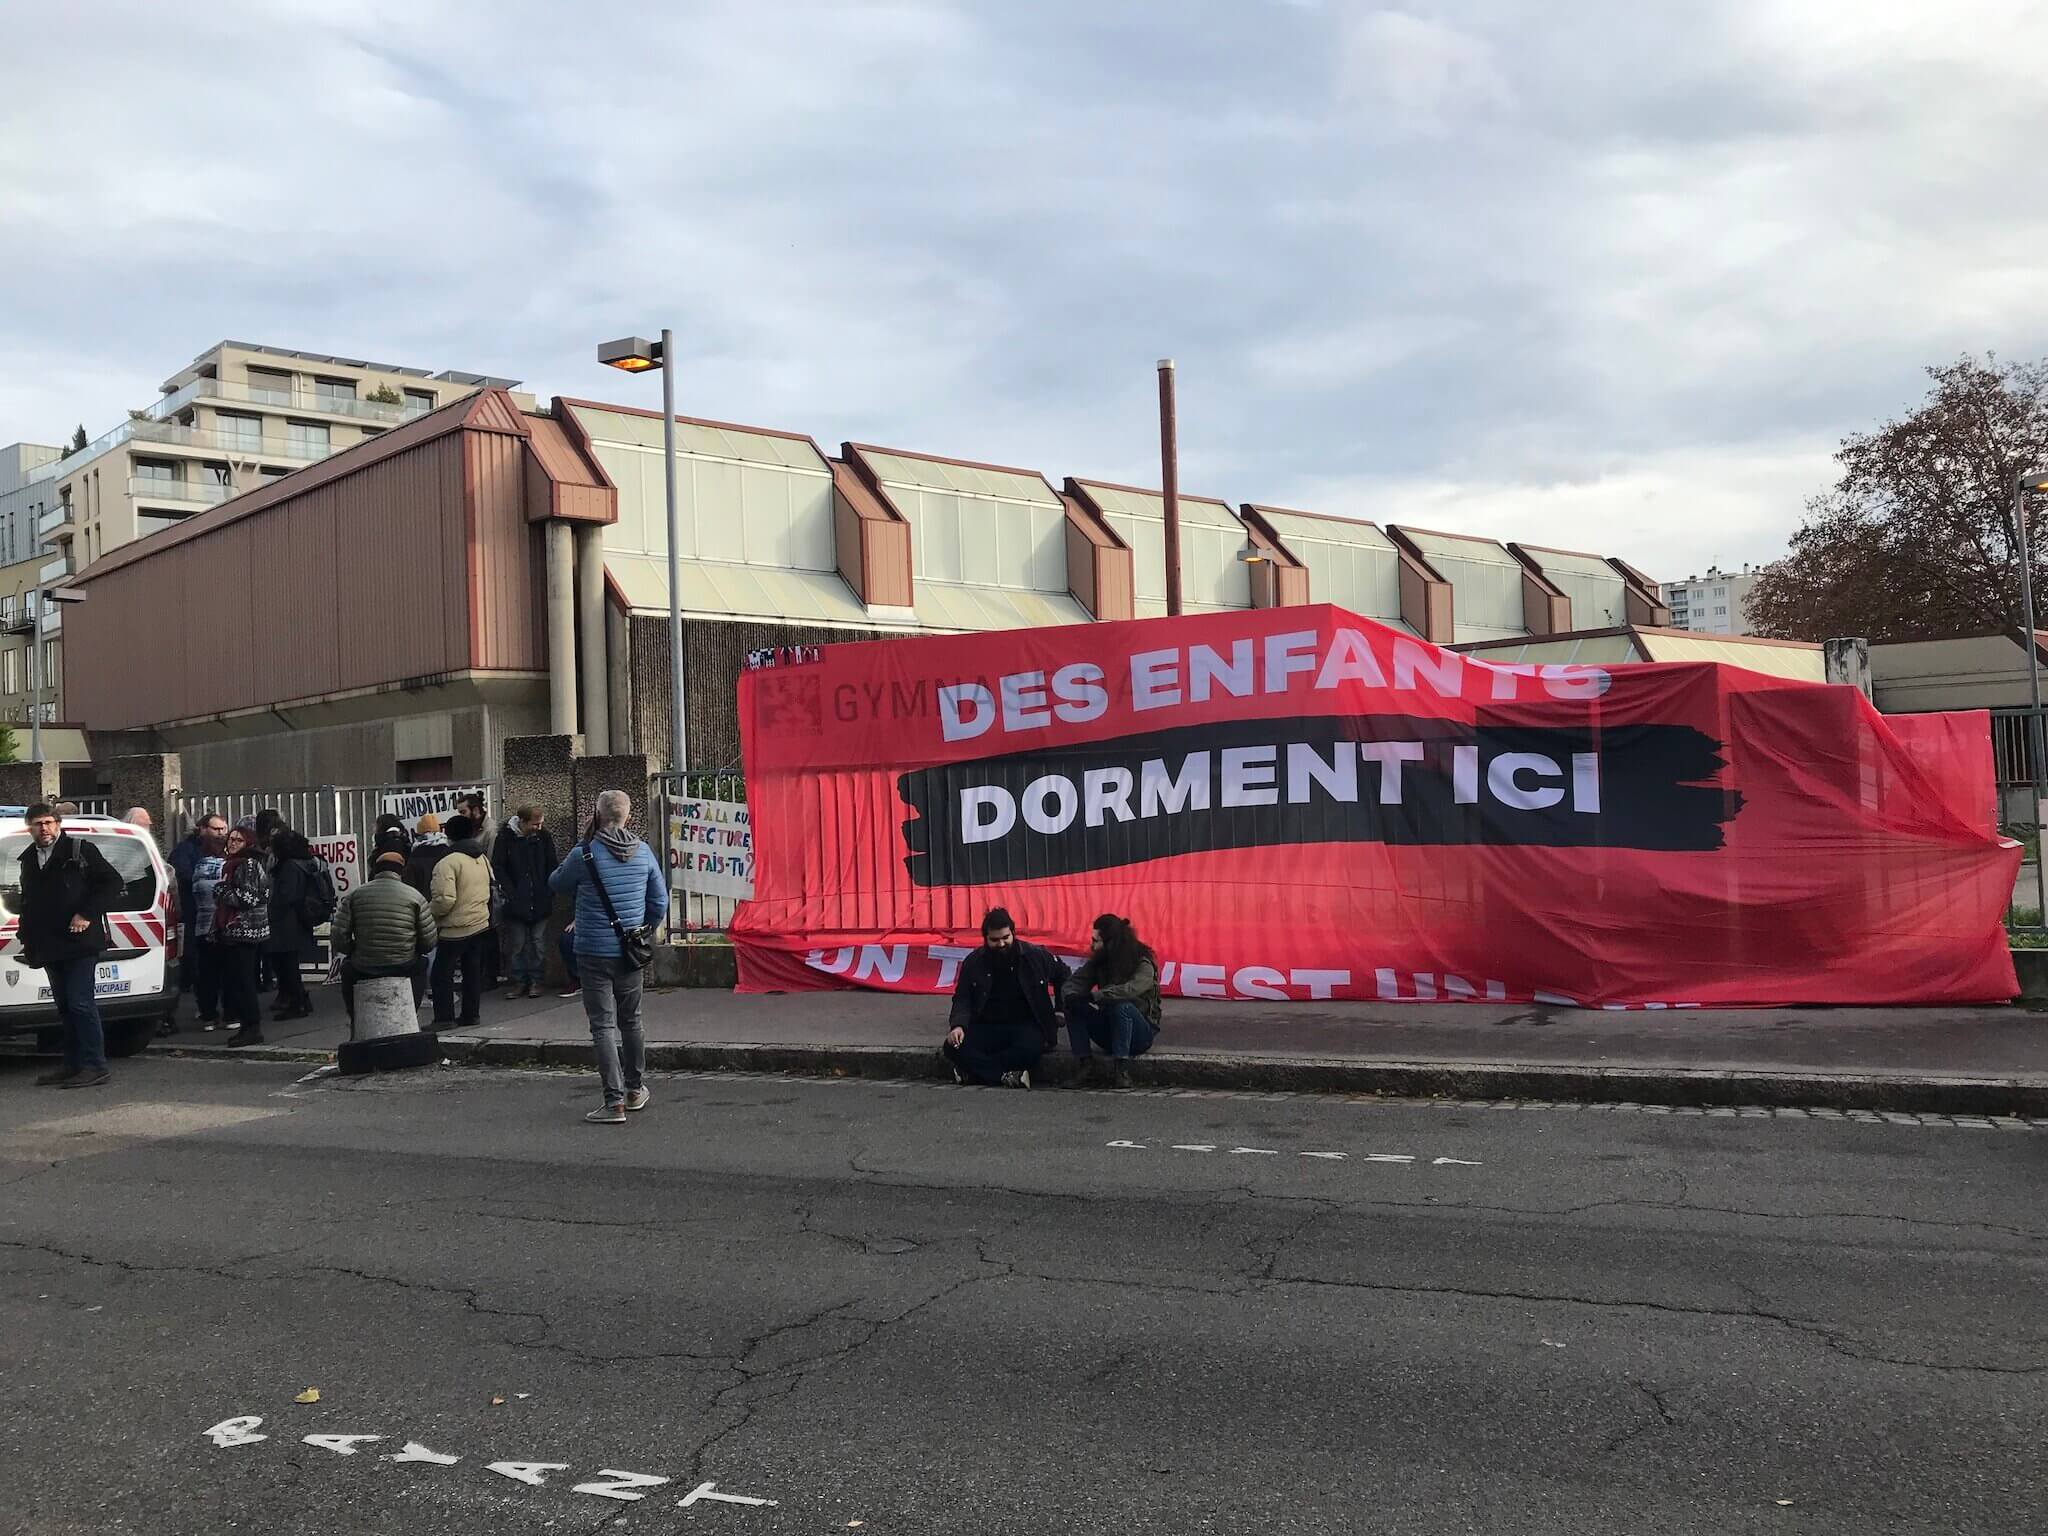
{"type": "Point", "coordinates": [1112, 1002]}
{"type": "Point", "coordinates": [384, 928]}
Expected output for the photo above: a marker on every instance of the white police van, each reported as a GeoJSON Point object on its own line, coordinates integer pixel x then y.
{"type": "Point", "coordinates": [138, 972]}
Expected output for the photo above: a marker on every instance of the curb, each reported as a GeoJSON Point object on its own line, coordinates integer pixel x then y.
{"type": "Point", "coordinates": [1676, 1086]}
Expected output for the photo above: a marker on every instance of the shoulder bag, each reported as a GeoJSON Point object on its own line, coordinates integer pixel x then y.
{"type": "Point", "coordinates": [636, 945]}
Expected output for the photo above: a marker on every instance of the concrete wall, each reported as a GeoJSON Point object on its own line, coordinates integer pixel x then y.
{"type": "Point", "coordinates": [1976, 672]}
{"type": "Point", "coordinates": [362, 752]}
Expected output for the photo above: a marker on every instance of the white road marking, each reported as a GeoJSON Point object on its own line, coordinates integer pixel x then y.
{"type": "Point", "coordinates": [534, 1473]}
{"type": "Point", "coordinates": [621, 1485]}
{"type": "Point", "coordinates": [235, 1431]}
{"type": "Point", "coordinates": [1254, 1152]}
{"type": "Point", "coordinates": [704, 1491]}
{"type": "Point", "coordinates": [1335, 1157]}
{"type": "Point", "coordinates": [1194, 1146]}
{"type": "Point", "coordinates": [1134, 1145]}
{"type": "Point", "coordinates": [1455, 1162]}
{"type": "Point", "coordinates": [414, 1451]}
{"type": "Point", "coordinates": [1388, 1157]}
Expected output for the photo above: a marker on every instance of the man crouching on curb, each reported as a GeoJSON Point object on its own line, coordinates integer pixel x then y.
{"type": "Point", "coordinates": [1003, 1018]}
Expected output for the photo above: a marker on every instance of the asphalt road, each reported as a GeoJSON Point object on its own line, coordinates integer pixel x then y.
{"type": "Point", "coordinates": [920, 1309]}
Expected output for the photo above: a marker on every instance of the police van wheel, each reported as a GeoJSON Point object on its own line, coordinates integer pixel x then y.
{"type": "Point", "coordinates": [130, 1036]}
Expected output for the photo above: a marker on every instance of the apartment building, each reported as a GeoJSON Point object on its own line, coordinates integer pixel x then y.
{"type": "Point", "coordinates": [27, 491]}
{"type": "Point", "coordinates": [236, 417]}
{"type": "Point", "coordinates": [1714, 604]}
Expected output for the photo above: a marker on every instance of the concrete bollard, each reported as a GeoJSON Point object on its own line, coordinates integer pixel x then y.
{"type": "Point", "coordinates": [386, 1032]}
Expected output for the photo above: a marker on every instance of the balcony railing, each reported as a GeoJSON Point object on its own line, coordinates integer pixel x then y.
{"type": "Point", "coordinates": [283, 400]}
{"type": "Point", "coordinates": [204, 493]}
{"type": "Point", "coordinates": [238, 444]}
{"type": "Point", "coordinates": [52, 520]}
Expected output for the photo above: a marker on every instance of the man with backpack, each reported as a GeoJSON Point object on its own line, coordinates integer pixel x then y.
{"type": "Point", "coordinates": [302, 897]}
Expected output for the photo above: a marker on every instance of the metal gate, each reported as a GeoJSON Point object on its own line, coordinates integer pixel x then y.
{"type": "Point", "coordinates": [323, 812]}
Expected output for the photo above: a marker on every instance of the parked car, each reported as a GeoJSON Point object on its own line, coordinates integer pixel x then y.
{"type": "Point", "coordinates": [138, 971]}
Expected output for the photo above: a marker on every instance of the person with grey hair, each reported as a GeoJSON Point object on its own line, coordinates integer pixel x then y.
{"type": "Point", "coordinates": [138, 816]}
{"type": "Point", "coordinates": [619, 889]}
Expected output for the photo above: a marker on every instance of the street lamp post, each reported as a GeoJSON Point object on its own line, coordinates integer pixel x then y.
{"type": "Point", "coordinates": [635, 354]}
{"type": "Point", "coordinates": [40, 598]}
{"type": "Point", "coordinates": [2035, 480]}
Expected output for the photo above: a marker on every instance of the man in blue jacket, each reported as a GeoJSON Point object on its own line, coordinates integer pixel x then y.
{"type": "Point", "coordinates": [634, 895]}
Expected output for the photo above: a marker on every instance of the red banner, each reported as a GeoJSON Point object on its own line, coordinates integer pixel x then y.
{"type": "Point", "coordinates": [1300, 803]}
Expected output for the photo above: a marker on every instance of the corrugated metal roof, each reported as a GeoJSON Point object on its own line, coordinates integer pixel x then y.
{"type": "Point", "coordinates": [1607, 649]}
{"type": "Point", "coordinates": [947, 605]}
{"type": "Point", "coordinates": [715, 589]}
{"type": "Point", "coordinates": [1353, 565]}
{"type": "Point", "coordinates": [963, 479]}
{"type": "Point", "coordinates": [734, 444]}
{"type": "Point", "coordinates": [1127, 501]}
{"type": "Point", "coordinates": [1789, 661]}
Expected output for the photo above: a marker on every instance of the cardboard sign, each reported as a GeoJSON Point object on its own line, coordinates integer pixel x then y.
{"type": "Point", "coordinates": [409, 805]}
{"type": "Point", "coordinates": [711, 848]}
{"type": "Point", "coordinates": [342, 853]}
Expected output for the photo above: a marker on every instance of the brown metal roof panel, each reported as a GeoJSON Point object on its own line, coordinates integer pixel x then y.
{"type": "Point", "coordinates": [505, 632]}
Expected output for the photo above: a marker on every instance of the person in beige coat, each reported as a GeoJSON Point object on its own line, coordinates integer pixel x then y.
{"type": "Point", "coordinates": [462, 913]}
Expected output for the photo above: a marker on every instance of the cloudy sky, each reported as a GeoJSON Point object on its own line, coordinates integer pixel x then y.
{"type": "Point", "coordinates": [1606, 274]}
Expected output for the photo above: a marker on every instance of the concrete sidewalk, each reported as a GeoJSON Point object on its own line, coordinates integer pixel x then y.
{"type": "Point", "coordinates": [1943, 1060]}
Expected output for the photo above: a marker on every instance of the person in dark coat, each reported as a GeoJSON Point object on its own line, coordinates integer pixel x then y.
{"type": "Point", "coordinates": [67, 886]}
{"type": "Point", "coordinates": [1002, 1016]}
{"type": "Point", "coordinates": [241, 927]}
{"type": "Point", "coordinates": [429, 847]}
{"type": "Point", "coordinates": [522, 858]}
{"type": "Point", "coordinates": [295, 893]}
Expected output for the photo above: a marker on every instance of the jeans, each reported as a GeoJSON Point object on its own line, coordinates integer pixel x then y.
{"type": "Point", "coordinates": [238, 996]}
{"type": "Point", "coordinates": [467, 955]}
{"type": "Point", "coordinates": [1121, 1029]}
{"type": "Point", "coordinates": [986, 1054]}
{"type": "Point", "coordinates": [611, 997]}
{"type": "Point", "coordinates": [71, 989]}
{"type": "Point", "coordinates": [525, 948]}
{"type": "Point", "coordinates": [202, 967]}
{"type": "Point", "coordinates": [566, 947]}
{"type": "Point", "coordinates": [351, 973]}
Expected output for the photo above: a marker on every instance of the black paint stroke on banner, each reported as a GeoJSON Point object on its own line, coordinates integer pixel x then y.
{"type": "Point", "coordinates": [1653, 786]}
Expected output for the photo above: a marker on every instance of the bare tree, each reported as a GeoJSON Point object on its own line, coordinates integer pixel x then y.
{"type": "Point", "coordinates": [1916, 540]}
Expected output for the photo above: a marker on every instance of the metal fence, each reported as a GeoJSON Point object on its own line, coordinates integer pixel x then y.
{"type": "Point", "coordinates": [706, 845]}
{"type": "Point", "coordinates": [323, 811]}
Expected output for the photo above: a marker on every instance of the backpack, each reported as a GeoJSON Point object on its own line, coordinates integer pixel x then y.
{"type": "Point", "coordinates": [317, 905]}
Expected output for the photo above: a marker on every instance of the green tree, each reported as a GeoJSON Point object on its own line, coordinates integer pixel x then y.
{"type": "Point", "coordinates": [384, 394]}
{"type": "Point", "coordinates": [78, 439]}
{"type": "Point", "coordinates": [10, 751]}
{"type": "Point", "coordinates": [1915, 541]}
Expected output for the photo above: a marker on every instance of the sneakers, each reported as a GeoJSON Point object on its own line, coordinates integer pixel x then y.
{"type": "Point", "coordinates": [611, 1114]}
{"type": "Point", "coordinates": [90, 1078]}
{"type": "Point", "coordinates": [532, 989]}
{"type": "Point", "coordinates": [636, 1098]}
{"type": "Point", "coordinates": [57, 1078]}
{"type": "Point", "coordinates": [513, 994]}
{"type": "Point", "coordinates": [565, 992]}
{"type": "Point", "coordinates": [1119, 1073]}
{"type": "Point", "coordinates": [1020, 1078]}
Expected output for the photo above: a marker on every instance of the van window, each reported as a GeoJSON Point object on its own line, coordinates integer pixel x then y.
{"type": "Point", "coordinates": [129, 856]}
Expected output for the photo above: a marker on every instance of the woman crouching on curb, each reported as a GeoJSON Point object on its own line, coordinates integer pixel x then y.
{"type": "Point", "coordinates": [1112, 1002]}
